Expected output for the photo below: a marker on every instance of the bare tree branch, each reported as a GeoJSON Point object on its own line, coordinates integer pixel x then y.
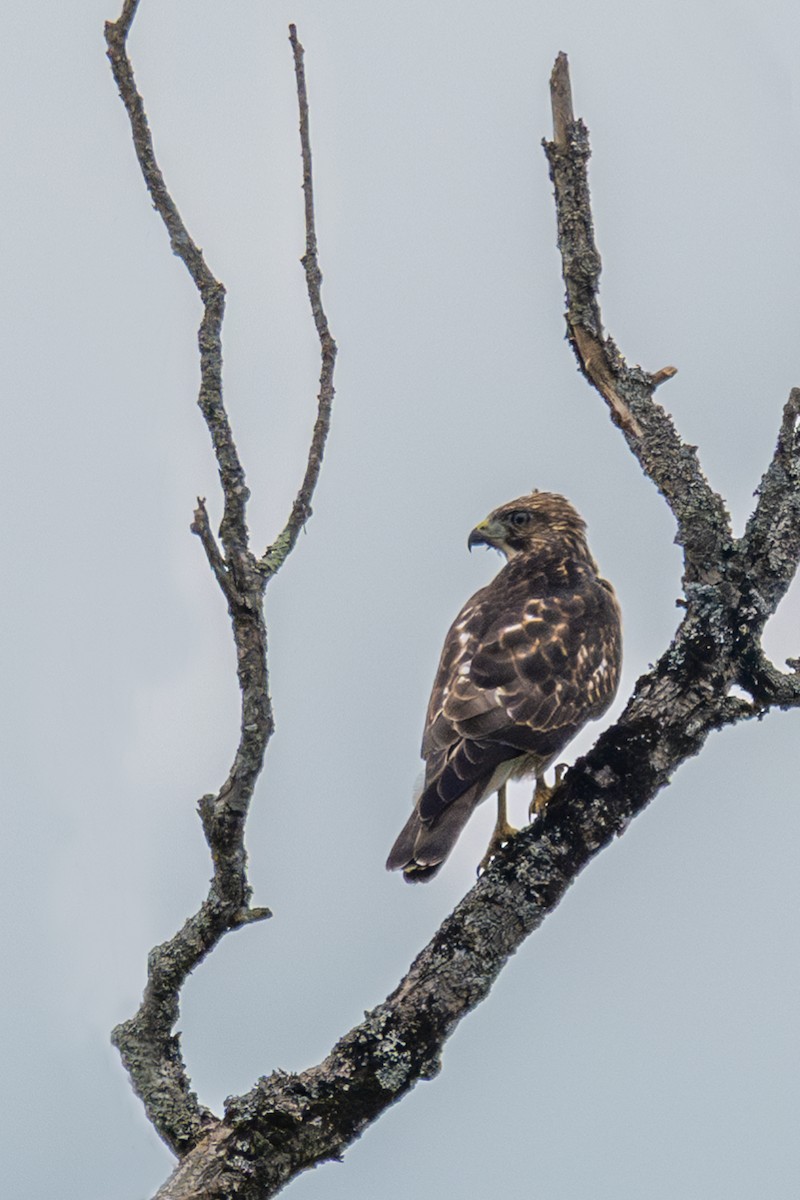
{"type": "Point", "coordinates": [769, 687]}
{"type": "Point", "coordinates": [276, 554]}
{"type": "Point", "coordinates": [149, 1048]}
{"type": "Point", "coordinates": [704, 528]}
{"type": "Point", "coordinates": [233, 528]}
{"type": "Point", "coordinates": [200, 525]}
{"type": "Point", "coordinates": [772, 536]}
{"type": "Point", "coordinates": [288, 1123]}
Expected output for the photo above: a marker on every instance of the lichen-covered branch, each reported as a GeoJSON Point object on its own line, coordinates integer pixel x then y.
{"type": "Point", "coordinates": [733, 586]}
{"type": "Point", "coordinates": [288, 1123]}
{"type": "Point", "coordinates": [148, 1045]}
{"type": "Point", "coordinates": [772, 536]}
{"type": "Point", "coordinates": [704, 528]}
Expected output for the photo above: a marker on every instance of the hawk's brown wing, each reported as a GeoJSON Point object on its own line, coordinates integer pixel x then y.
{"type": "Point", "coordinates": [525, 664]}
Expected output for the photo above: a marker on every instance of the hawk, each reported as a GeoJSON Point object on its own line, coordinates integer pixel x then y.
{"type": "Point", "coordinates": [527, 662]}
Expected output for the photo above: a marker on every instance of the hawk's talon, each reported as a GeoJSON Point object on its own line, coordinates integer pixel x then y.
{"type": "Point", "coordinates": [543, 793]}
{"type": "Point", "coordinates": [501, 834]}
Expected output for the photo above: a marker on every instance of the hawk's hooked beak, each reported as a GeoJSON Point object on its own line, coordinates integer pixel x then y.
{"type": "Point", "coordinates": [488, 533]}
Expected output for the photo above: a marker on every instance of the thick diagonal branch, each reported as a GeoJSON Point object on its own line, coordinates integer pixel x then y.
{"type": "Point", "coordinates": [290, 1122]}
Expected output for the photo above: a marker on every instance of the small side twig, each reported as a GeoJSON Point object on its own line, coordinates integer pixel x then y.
{"type": "Point", "coordinates": [201, 526]}
{"type": "Point", "coordinates": [659, 377]}
{"type": "Point", "coordinates": [769, 686]}
{"type": "Point", "coordinates": [275, 555]}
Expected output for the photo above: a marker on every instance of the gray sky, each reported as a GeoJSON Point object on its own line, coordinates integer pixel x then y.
{"type": "Point", "coordinates": [644, 1043]}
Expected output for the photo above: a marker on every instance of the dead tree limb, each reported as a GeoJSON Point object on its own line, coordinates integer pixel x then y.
{"type": "Point", "coordinates": [703, 524]}
{"type": "Point", "coordinates": [289, 1122]}
{"type": "Point", "coordinates": [275, 554]}
{"type": "Point", "coordinates": [149, 1048]}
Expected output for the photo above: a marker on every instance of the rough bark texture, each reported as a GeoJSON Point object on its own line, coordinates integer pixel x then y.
{"type": "Point", "coordinates": [288, 1123]}
{"type": "Point", "coordinates": [149, 1048]}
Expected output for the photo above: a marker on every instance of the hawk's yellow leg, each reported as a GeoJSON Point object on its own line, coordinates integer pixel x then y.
{"type": "Point", "coordinates": [543, 792]}
{"type": "Point", "coordinates": [501, 833]}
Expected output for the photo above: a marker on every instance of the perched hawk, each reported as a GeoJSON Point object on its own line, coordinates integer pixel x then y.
{"type": "Point", "coordinates": [527, 662]}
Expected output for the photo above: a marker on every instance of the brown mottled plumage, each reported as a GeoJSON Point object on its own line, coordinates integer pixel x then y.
{"type": "Point", "coordinates": [527, 662]}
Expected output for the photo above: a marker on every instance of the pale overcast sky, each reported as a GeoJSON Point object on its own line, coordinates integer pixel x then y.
{"type": "Point", "coordinates": [644, 1044]}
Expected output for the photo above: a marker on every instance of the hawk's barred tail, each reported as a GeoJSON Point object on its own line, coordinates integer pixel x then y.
{"type": "Point", "coordinates": [421, 849]}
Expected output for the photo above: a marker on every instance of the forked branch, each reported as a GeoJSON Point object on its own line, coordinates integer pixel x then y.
{"type": "Point", "coordinates": [150, 1049]}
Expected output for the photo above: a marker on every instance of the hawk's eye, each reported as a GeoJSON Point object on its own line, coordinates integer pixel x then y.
{"type": "Point", "coordinates": [519, 519]}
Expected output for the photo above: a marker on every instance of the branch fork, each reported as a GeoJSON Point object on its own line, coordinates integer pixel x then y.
{"type": "Point", "coordinates": [149, 1048]}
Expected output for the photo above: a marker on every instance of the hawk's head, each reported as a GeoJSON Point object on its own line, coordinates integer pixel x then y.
{"type": "Point", "coordinates": [532, 524]}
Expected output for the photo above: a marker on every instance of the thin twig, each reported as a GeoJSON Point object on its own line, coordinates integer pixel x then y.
{"type": "Point", "coordinates": [202, 527]}
{"type": "Point", "coordinates": [233, 528]}
{"type": "Point", "coordinates": [275, 555]}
